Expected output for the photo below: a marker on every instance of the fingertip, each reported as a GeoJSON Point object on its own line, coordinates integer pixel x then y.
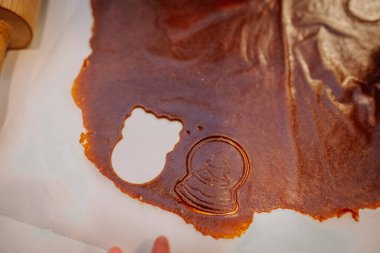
{"type": "Point", "coordinates": [161, 245]}
{"type": "Point", "coordinates": [115, 250]}
{"type": "Point", "coordinates": [162, 239]}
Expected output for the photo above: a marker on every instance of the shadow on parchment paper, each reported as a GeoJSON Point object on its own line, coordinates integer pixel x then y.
{"type": "Point", "coordinates": [6, 75]}
{"type": "Point", "coordinates": [146, 246]}
{"type": "Point", "coordinates": [292, 232]}
{"type": "Point", "coordinates": [40, 26]}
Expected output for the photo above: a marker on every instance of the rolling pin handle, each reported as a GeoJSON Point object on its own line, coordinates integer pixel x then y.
{"type": "Point", "coordinates": [5, 32]}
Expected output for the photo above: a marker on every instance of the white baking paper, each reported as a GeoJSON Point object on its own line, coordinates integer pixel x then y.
{"type": "Point", "coordinates": [48, 189]}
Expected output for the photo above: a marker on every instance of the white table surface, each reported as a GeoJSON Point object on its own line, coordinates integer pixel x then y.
{"type": "Point", "coordinates": [52, 199]}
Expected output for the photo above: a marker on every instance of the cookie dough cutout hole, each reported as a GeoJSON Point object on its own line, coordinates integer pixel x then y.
{"type": "Point", "coordinates": [140, 155]}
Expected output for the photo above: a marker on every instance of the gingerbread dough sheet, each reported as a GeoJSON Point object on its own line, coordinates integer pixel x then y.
{"type": "Point", "coordinates": [279, 100]}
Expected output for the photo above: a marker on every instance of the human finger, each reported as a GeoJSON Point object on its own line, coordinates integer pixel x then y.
{"type": "Point", "coordinates": [161, 245]}
{"type": "Point", "coordinates": [115, 250]}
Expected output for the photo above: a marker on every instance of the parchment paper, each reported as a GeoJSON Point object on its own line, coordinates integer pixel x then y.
{"type": "Point", "coordinates": [48, 185]}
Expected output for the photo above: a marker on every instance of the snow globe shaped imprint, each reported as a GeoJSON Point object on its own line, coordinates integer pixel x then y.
{"type": "Point", "coordinates": [216, 167]}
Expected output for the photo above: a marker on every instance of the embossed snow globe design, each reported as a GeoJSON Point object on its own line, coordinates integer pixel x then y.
{"type": "Point", "coordinates": [216, 167]}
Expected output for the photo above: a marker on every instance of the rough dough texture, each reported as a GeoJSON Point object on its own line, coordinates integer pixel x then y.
{"type": "Point", "coordinates": [280, 104]}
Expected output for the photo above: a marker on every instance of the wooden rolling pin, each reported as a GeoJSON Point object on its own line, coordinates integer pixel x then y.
{"type": "Point", "coordinates": [17, 22]}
